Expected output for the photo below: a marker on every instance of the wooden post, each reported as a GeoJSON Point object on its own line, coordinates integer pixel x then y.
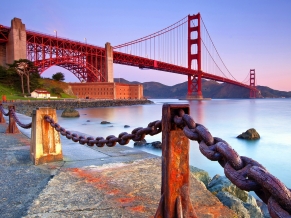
{"type": "Point", "coordinates": [2, 120]}
{"type": "Point", "coordinates": [12, 127]}
{"type": "Point", "coordinates": [175, 200]}
{"type": "Point", "coordinates": [45, 140]}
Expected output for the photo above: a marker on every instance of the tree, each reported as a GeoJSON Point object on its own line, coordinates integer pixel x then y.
{"type": "Point", "coordinates": [58, 76]}
{"type": "Point", "coordinates": [57, 91]}
{"type": "Point", "coordinates": [23, 67]}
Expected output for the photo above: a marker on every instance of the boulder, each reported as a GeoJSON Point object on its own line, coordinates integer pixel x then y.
{"type": "Point", "coordinates": [126, 126]}
{"type": "Point", "coordinates": [234, 198]}
{"type": "Point", "coordinates": [221, 183]}
{"type": "Point", "coordinates": [105, 122]}
{"type": "Point", "coordinates": [233, 203]}
{"type": "Point", "coordinates": [143, 142]}
{"type": "Point", "coordinates": [70, 112]}
{"type": "Point", "coordinates": [253, 209]}
{"type": "Point", "coordinates": [250, 134]}
{"type": "Point", "coordinates": [157, 144]}
{"type": "Point", "coordinates": [201, 175]}
{"type": "Point", "coordinates": [264, 209]}
{"type": "Point", "coordinates": [140, 143]}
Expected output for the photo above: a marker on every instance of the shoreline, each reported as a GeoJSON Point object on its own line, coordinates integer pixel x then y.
{"type": "Point", "coordinates": [26, 107]}
{"type": "Point", "coordinates": [200, 174]}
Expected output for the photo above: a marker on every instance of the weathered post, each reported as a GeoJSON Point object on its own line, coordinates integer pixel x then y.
{"type": "Point", "coordinates": [45, 141]}
{"type": "Point", "coordinates": [175, 200]}
{"type": "Point", "coordinates": [2, 120]}
{"type": "Point", "coordinates": [12, 127]}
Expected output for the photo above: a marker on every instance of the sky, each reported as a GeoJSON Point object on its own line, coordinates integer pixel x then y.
{"type": "Point", "coordinates": [248, 34]}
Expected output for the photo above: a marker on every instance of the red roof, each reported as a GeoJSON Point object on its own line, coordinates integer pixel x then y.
{"type": "Point", "coordinates": [41, 91]}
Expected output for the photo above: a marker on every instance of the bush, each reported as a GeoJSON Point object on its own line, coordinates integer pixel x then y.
{"type": "Point", "coordinates": [58, 76]}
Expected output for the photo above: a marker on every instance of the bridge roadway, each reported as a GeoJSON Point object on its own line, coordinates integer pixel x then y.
{"type": "Point", "coordinates": [99, 182]}
{"type": "Point", "coordinates": [141, 62]}
{"type": "Point", "coordinates": [75, 47]}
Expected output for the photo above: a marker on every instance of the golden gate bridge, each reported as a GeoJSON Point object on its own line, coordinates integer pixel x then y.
{"type": "Point", "coordinates": [184, 47]}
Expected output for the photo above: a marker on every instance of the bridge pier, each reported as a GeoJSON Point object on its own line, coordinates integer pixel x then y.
{"type": "Point", "coordinates": [253, 83]}
{"type": "Point", "coordinates": [109, 63]}
{"type": "Point", "coordinates": [2, 54]}
{"type": "Point", "coordinates": [194, 81]}
{"type": "Point", "coordinates": [16, 45]}
{"type": "Point", "coordinates": [194, 88]}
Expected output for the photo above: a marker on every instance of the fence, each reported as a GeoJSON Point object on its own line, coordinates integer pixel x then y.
{"type": "Point", "coordinates": [177, 127]}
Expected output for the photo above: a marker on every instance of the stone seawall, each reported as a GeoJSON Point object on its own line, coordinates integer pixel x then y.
{"type": "Point", "coordinates": [26, 107]}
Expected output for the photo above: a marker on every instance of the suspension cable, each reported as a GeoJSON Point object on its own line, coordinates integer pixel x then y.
{"type": "Point", "coordinates": [216, 50]}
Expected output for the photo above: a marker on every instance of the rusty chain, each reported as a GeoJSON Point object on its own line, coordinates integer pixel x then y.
{"type": "Point", "coordinates": [123, 138]}
{"type": "Point", "coordinates": [3, 112]}
{"type": "Point", "coordinates": [13, 114]}
{"type": "Point", "coordinates": [245, 173]}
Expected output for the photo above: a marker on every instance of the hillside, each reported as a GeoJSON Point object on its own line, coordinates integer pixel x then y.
{"type": "Point", "coordinates": [210, 89]}
{"type": "Point", "coordinates": [56, 88]}
{"type": "Point", "coordinates": [51, 85]}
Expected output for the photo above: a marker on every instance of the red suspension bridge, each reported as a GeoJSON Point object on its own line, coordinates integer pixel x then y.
{"type": "Point", "coordinates": [184, 47]}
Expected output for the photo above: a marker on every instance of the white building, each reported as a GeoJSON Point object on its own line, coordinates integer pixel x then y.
{"type": "Point", "coordinates": [40, 93]}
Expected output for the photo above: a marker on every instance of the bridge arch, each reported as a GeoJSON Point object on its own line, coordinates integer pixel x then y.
{"type": "Point", "coordinates": [85, 72]}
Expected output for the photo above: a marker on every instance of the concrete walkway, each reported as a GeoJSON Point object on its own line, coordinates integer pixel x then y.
{"type": "Point", "coordinates": [90, 182]}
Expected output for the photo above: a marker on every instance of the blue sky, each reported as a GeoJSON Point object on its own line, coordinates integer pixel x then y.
{"type": "Point", "coordinates": [249, 34]}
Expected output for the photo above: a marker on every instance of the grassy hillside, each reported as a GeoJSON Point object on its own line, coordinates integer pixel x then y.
{"type": "Point", "coordinates": [271, 93]}
{"type": "Point", "coordinates": [58, 89]}
{"type": "Point", "coordinates": [51, 85]}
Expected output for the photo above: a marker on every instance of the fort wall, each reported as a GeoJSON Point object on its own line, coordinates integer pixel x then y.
{"type": "Point", "coordinates": [106, 90]}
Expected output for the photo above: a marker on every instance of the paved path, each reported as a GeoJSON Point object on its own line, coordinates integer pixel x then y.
{"type": "Point", "coordinates": [99, 182]}
{"type": "Point", "coordinates": [20, 181]}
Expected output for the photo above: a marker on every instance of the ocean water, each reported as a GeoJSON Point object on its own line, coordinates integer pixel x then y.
{"type": "Point", "coordinates": [224, 118]}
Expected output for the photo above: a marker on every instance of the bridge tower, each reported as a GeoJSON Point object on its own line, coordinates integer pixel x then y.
{"type": "Point", "coordinates": [252, 83]}
{"type": "Point", "coordinates": [194, 81]}
{"type": "Point", "coordinates": [109, 63]}
{"type": "Point", "coordinates": [16, 45]}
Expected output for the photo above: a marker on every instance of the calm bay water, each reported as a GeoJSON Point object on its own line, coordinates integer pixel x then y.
{"type": "Point", "coordinates": [224, 118]}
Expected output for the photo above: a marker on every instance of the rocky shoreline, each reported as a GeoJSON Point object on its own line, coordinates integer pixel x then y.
{"type": "Point", "coordinates": [26, 107]}
{"type": "Point", "coordinates": [241, 202]}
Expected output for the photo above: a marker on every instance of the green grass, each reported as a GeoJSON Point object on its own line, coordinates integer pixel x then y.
{"type": "Point", "coordinates": [64, 95]}
{"type": "Point", "coordinates": [11, 94]}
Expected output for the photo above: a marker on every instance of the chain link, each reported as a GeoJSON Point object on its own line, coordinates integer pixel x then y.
{"type": "Point", "coordinates": [244, 172]}
{"type": "Point", "coordinates": [3, 112]}
{"type": "Point", "coordinates": [25, 126]}
{"type": "Point", "coordinates": [123, 138]}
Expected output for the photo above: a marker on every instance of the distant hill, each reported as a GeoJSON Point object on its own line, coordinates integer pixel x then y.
{"type": "Point", "coordinates": [210, 89]}
{"type": "Point", "coordinates": [271, 93]}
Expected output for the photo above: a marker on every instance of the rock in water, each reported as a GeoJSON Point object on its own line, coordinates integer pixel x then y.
{"type": "Point", "coordinates": [157, 144]}
{"type": "Point", "coordinates": [105, 122]}
{"type": "Point", "coordinates": [140, 143]}
{"type": "Point", "coordinates": [249, 134]}
{"type": "Point", "coordinates": [70, 112]}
